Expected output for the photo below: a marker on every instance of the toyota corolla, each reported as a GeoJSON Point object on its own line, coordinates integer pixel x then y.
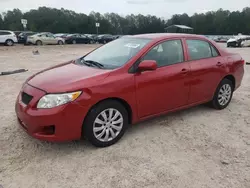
{"type": "Point", "coordinates": [126, 81]}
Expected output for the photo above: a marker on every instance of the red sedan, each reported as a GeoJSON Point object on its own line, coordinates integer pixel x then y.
{"type": "Point", "coordinates": [128, 80]}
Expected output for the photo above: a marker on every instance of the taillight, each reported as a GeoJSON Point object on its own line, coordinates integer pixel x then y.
{"type": "Point", "coordinates": [242, 62]}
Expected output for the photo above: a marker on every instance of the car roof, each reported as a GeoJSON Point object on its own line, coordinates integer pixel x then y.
{"type": "Point", "coordinates": [160, 36]}
{"type": "Point", "coordinates": [43, 33]}
{"type": "Point", "coordinates": [27, 32]}
{"type": "Point", "coordinates": [6, 31]}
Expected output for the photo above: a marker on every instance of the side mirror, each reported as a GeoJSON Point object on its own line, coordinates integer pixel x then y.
{"type": "Point", "coordinates": [147, 65]}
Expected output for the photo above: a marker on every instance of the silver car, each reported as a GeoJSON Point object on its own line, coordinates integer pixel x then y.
{"type": "Point", "coordinates": [45, 38]}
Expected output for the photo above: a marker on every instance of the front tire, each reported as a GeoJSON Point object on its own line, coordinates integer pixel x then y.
{"type": "Point", "coordinates": [60, 42]}
{"type": "Point", "coordinates": [223, 95]}
{"type": "Point", "coordinates": [106, 123]}
{"type": "Point", "coordinates": [39, 43]}
{"type": "Point", "coordinates": [9, 42]}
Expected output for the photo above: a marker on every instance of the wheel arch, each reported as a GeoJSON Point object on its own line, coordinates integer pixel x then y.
{"type": "Point", "coordinates": [120, 100]}
{"type": "Point", "coordinates": [9, 39]}
{"type": "Point", "coordinates": [231, 78]}
{"type": "Point", "coordinates": [39, 41]}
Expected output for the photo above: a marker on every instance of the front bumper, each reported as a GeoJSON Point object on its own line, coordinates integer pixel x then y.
{"type": "Point", "coordinates": [232, 44]}
{"type": "Point", "coordinates": [62, 123]}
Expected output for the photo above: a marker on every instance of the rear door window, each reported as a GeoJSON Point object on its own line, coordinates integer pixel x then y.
{"type": "Point", "coordinates": [199, 49]}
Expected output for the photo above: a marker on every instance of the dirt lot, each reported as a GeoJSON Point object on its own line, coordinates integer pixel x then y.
{"type": "Point", "coordinates": [194, 148]}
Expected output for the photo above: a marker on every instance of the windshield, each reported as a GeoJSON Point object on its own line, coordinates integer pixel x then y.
{"type": "Point", "coordinates": [116, 53]}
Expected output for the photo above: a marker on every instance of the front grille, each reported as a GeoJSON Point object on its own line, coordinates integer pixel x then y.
{"type": "Point", "coordinates": [26, 98]}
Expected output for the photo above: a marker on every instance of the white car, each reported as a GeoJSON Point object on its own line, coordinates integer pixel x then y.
{"type": "Point", "coordinates": [239, 41]}
{"type": "Point", "coordinates": [245, 42]}
{"type": "Point", "coordinates": [7, 37]}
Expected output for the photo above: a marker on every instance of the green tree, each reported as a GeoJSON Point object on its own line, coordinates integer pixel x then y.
{"type": "Point", "coordinates": [61, 20]}
{"type": "Point", "coordinates": [1, 22]}
{"type": "Point", "coordinates": [12, 20]}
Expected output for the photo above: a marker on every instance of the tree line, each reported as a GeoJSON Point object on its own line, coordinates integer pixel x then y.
{"type": "Point", "coordinates": [46, 19]}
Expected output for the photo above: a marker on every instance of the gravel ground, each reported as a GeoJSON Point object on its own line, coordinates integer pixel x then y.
{"type": "Point", "coordinates": [195, 148]}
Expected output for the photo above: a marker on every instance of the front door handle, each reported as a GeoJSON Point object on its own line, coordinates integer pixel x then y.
{"type": "Point", "coordinates": [219, 64]}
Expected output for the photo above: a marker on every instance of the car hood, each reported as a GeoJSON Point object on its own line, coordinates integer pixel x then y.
{"type": "Point", "coordinates": [67, 77]}
{"type": "Point", "coordinates": [232, 40]}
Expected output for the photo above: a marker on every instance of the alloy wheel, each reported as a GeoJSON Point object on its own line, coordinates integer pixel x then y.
{"type": "Point", "coordinates": [9, 43]}
{"type": "Point", "coordinates": [224, 95]}
{"type": "Point", "coordinates": [108, 125]}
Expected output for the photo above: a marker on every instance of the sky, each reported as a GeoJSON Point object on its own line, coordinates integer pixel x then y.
{"type": "Point", "coordinates": [160, 8]}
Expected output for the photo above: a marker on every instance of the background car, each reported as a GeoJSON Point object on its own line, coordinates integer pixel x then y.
{"type": "Point", "coordinates": [117, 36]}
{"type": "Point", "coordinates": [92, 36]}
{"type": "Point", "coordinates": [222, 39]}
{"type": "Point", "coordinates": [22, 37]}
{"type": "Point", "coordinates": [233, 42]}
{"type": "Point", "coordinates": [103, 39]}
{"type": "Point", "coordinates": [62, 35]}
{"type": "Point", "coordinates": [45, 38]}
{"type": "Point", "coordinates": [238, 41]}
{"type": "Point", "coordinates": [7, 37]}
{"type": "Point", "coordinates": [78, 39]}
{"type": "Point", "coordinates": [245, 42]}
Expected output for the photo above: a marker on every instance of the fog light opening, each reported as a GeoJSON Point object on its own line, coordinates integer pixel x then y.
{"type": "Point", "coordinates": [49, 130]}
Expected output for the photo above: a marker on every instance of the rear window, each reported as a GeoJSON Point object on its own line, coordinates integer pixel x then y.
{"type": "Point", "coordinates": [5, 33]}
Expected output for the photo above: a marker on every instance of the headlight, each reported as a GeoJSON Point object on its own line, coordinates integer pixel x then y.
{"type": "Point", "coordinates": [53, 100]}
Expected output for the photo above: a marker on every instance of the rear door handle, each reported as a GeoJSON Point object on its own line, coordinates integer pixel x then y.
{"type": "Point", "coordinates": [219, 64]}
{"type": "Point", "coordinates": [184, 71]}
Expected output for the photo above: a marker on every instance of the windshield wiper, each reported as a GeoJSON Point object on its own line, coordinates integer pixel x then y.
{"type": "Point", "coordinates": [91, 63]}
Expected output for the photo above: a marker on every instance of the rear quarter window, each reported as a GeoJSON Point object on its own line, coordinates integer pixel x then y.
{"type": "Point", "coordinates": [215, 52]}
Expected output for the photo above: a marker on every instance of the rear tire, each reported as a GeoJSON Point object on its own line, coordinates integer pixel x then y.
{"type": "Point", "coordinates": [74, 42]}
{"type": "Point", "coordinates": [9, 42]}
{"type": "Point", "coordinates": [110, 126]}
{"type": "Point", "coordinates": [39, 43]}
{"type": "Point", "coordinates": [223, 95]}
